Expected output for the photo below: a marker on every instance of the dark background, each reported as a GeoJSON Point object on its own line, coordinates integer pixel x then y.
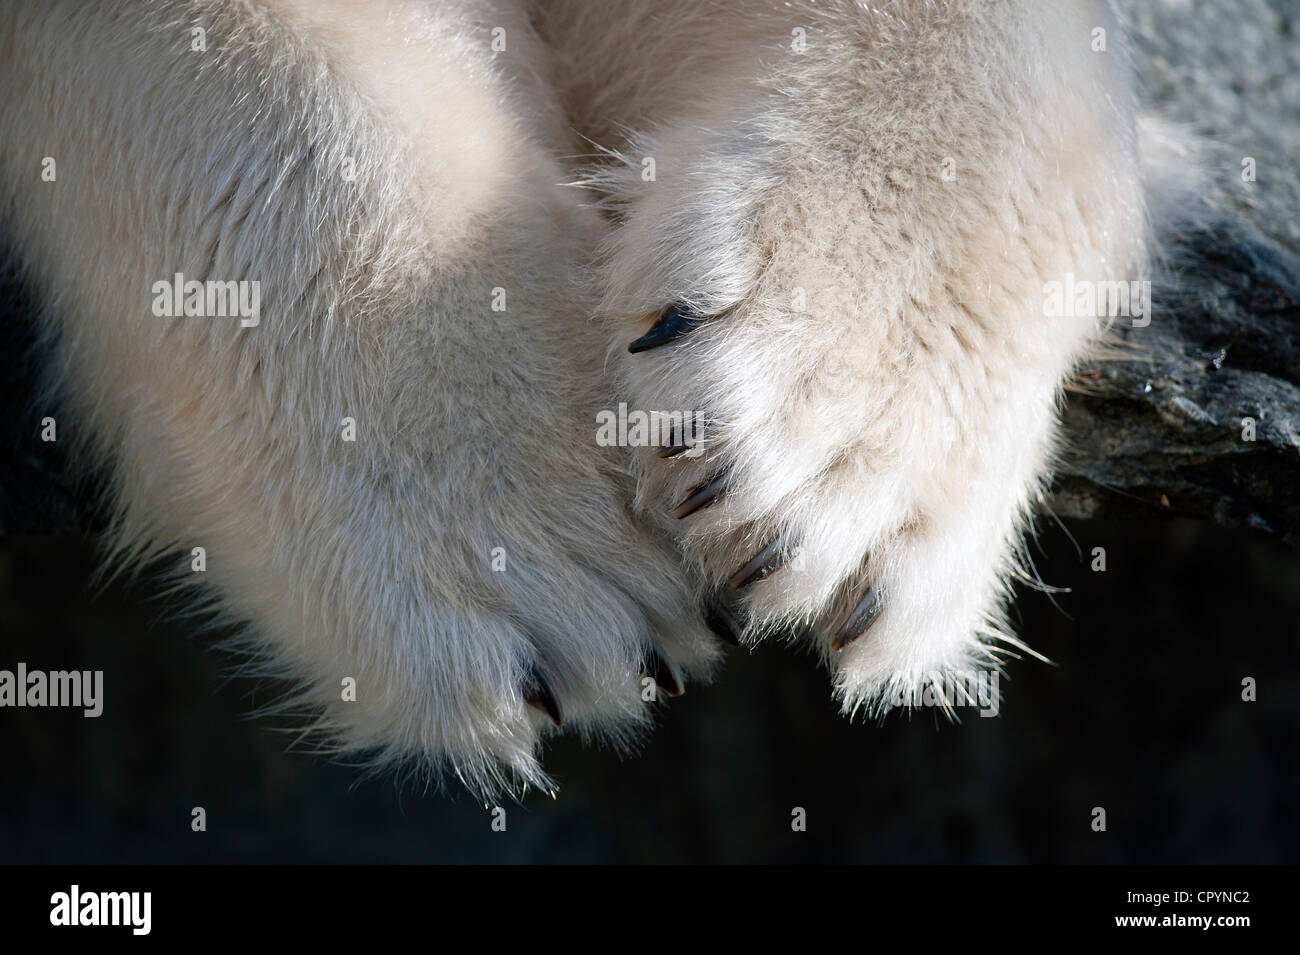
{"type": "Point", "coordinates": [1142, 714]}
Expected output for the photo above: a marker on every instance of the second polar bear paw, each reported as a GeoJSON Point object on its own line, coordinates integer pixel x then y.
{"type": "Point", "coordinates": [848, 288]}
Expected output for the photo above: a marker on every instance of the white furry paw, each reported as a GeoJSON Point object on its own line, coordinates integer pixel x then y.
{"type": "Point", "coordinates": [844, 274]}
{"type": "Point", "coordinates": [866, 495]}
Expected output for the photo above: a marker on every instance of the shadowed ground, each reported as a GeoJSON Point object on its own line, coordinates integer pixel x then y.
{"type": "Point", "coordinates": [1142, 715]}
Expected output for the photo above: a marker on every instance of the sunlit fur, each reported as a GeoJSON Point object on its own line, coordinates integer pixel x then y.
{"type": "Point", "coordinates": [866, 199]}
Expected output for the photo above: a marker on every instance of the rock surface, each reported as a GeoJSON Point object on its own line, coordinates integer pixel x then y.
{"type": "Point", "coordinates": [1167, 432]}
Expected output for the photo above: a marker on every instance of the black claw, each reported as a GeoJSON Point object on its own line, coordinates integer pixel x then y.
{"type": "Point", "coordinates": [674, 446]}
{"type": "Point", "coordinates": [702, 496]}
{"type": "Point", "coordinates": [860, 621]}
{"type": "Point", "coordinates": [677, 441]}
{"type": "Point", "coordinates": [759, 566]}
{"type": "Point", "coordinates": [538, 694]}
{"type": "Point", "coordinates": [672, 323]}
{"type": "Point", "coordinates": [662, 672]}
{"type": "Point", "coordinates": [720, 620]}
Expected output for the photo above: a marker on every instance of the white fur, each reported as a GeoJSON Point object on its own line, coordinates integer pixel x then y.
{"type": "Point", "coordinates": [776, 171]}
{"type": "Point", "coordinates": [924, 300]}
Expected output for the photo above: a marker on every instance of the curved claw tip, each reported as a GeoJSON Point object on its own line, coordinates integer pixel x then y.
{"type": "Point", "coordinates": [759, 566]}
{"type": "Point", "coordinates": [672, 323]}
{"type": "Point", "coordinates": [864, 615]}
{"type": "Point", "coordinates": [681, 439]}
{"type": "Point", "coordinates": [720, 620]}
{"type": "Point", "coordinates": [660, 669]}
{"type": "Point", "coordinates": [701, 497]}
{"type": "Point", "coordinates": [539, 695]}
